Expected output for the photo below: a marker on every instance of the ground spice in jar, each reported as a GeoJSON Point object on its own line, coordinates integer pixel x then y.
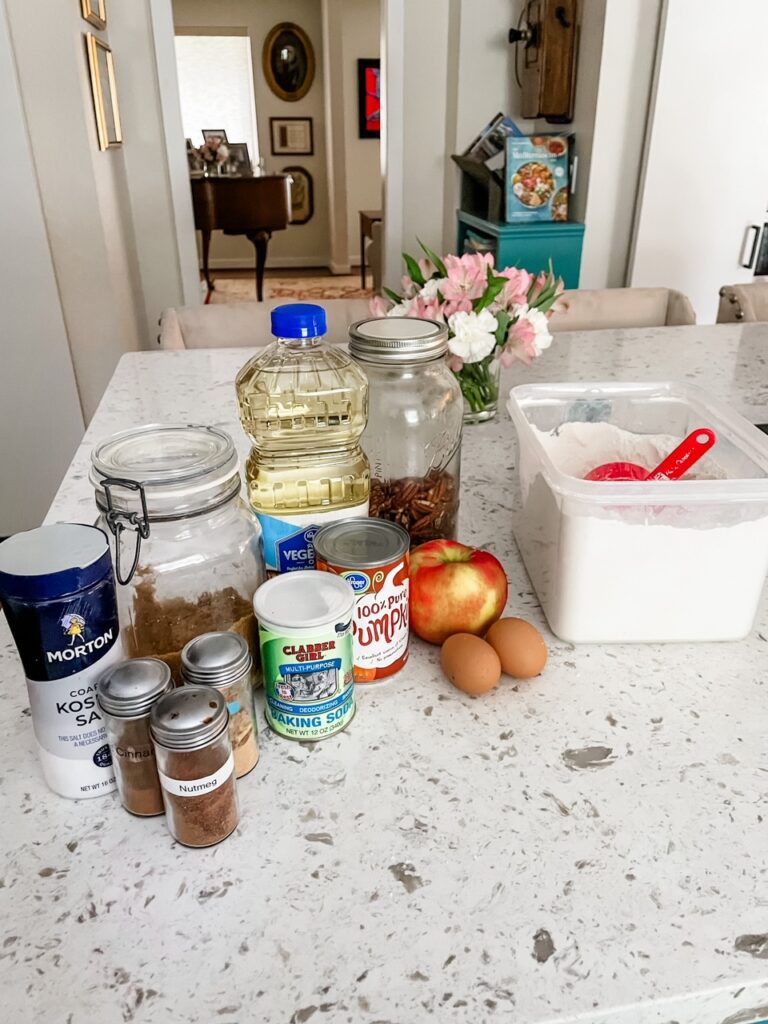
{"type": "Point", "coordinates": [189, 727]}
{"type": "Point", "coordinates": [126, 693]}
{"type": "Point", "coordinates": [427, 507]}
{"type": "Point", "coordinates": [160, 628]}
{"type": "Point", "coordinates": [222, 660]}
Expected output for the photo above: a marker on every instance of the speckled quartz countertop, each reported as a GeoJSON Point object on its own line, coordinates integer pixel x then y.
{"type": "Point", "coordinates": [445, 858]}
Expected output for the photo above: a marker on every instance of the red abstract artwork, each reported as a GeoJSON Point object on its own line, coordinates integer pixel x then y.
{"type": "Point", "coordinates": [369, 98]}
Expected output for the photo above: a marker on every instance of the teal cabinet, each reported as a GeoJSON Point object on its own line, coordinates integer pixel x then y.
{"type": "Point", "coordinates": [531, 246]}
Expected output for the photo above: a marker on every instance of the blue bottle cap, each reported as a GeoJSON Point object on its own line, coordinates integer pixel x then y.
{"type": "Point", "coordinates": [298, 320]}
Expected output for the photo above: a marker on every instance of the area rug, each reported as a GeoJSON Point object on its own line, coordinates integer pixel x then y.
{"type": "Point", "coordinates": [297, 289]}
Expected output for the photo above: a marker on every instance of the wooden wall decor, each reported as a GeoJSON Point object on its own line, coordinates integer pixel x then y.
{"type": "Point", "coordinates": [545, 59]}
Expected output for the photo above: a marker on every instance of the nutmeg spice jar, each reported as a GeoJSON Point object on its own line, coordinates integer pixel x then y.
{"type": "Point", "coordinates": [415, 417]}
{"type": "Point", "coordinates": [189, 727]}
{"type": "Point", "coordinates": [126, 693]}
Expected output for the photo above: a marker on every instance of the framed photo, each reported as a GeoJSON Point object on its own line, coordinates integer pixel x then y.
{"type": "Point", "coordinates": [95, 11]}
{"type": "Point", "coordinates": [369, 98]}
{"type": "Point", "coordinates": [291, 136]}
{"type": "Point", "coordinates": [239, 162]}
{"type": "Point", "coordinates": [102, 69]}
{"type": "Point", "coordinates": [302, 194]}
{"type": "Point", "coordinates": [215, 133]}
{"type": "Point", "coordinates": [288, 60]}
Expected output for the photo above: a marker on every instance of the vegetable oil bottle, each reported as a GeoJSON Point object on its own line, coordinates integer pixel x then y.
{"type": "Point", "coordinates": [304, 405]}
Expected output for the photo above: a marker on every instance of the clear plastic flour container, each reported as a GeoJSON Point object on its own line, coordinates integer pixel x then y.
{"type": "Point", "coordinates": [630, 562]}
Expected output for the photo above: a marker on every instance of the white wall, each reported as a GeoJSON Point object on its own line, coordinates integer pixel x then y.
{"type": "Point", "coordinates": [361, 32]}
{"type": "Point", "coordinates": [40, 418]}
{"type": "Point", "coordinates": [626, 71]}
{"type": "Point", "coordinates": [103, 258]}
{"type": "Point", "coordinates": [299, 244]}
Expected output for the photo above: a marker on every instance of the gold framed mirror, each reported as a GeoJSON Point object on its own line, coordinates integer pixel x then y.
{"type": "Point", "coordinates": [288, 59]}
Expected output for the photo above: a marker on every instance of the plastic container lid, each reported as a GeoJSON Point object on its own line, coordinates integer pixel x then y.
{"type": "Point", "coordinates": [298, 320]}
{"type": "Point", "coordinates": [361, 543]}
{"type": "Point", "coordinates": [304, 599]}
{"type": "Point", "coordinates": [215, 659]}
{"type": "Point", "coordinates": [130, 688]}
{"type": "Point", "coordinates": [189, 717]}
{"type": "Point", "coordinates": [398, 339]}
{"type": "Point", "coordinates": [53, 561]}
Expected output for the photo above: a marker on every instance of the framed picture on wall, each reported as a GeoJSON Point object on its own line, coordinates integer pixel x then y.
{"type": "Point", "coordinates": [95, 12]}
{"type": "Point", "coordinates": [291, 136]}
{"type": "Point", "coordinates": [214, 133]}
{"type": "Point", "coordinates": [369, 98]}
{"type": "Point", "coordinates": [102, 69]}
{"type": "Point", "coordinates": [302, 194]}
{"type": "Point", "coordinates": [288, 60]}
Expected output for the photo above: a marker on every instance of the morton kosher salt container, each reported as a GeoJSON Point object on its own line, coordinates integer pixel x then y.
{"type": "Point", "coordinates": [58, 593]}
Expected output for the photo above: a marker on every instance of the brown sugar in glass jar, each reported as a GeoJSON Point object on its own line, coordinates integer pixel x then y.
{"type": "Point", "coordinates": [189, 727]}
{"type": "Point", "coordinates": [186, 548]}
{"type": "Point", "coordinates": [126, 693]}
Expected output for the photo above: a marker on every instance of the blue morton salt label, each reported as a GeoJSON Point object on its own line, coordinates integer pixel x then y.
{"type": "Point", "coordinates": [65, 626]}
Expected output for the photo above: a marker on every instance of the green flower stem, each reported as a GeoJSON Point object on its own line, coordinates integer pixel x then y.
{"type": "Point", "coordinates": [478, 384]}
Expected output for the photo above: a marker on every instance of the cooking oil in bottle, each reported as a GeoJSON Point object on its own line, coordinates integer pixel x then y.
{"type": "Point", "coordinates": [304, 404]}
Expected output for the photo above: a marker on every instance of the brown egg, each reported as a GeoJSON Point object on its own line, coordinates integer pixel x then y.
{"type": "Point", "coordinates": [470, 663]}
{"type": "Point", "coordinates": [520, 647]}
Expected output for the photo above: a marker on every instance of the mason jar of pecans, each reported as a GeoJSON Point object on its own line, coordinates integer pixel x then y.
{"type": "Point", "coordinates": [413, 436]}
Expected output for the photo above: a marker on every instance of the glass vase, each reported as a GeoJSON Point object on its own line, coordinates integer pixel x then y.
{"type": "Point", "coordinates": [480, 388]}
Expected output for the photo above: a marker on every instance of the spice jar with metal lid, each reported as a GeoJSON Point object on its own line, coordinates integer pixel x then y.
{"type": "Point", "coordinates": [222, 660]}
{"type": "Point", "coordinates": [415, 415]}
{"type": "Point", "coordinates": [189, 727]}
{"type": "Point", "coordinates": [126, 693]}
{"type": "Point", "coordinates": [186, 548]}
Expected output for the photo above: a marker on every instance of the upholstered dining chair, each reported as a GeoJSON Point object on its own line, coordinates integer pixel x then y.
{"type": "Point", "coordinates": [743, 303]}
{"type": "Point", "coordinates": [606, 308]}
{"type": "Point", "coordinates": [245, 324]}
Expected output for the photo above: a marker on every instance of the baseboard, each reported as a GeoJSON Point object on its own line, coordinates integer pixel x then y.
{"type": "Point", "coordinates": [273, 262]}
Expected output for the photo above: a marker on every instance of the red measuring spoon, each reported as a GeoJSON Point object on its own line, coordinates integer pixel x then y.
{"type": "Point", "coordinates": [676, 464]}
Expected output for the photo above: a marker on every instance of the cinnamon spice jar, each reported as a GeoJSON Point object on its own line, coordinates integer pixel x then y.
{"type": "Point", "coordinates": [189, 727]}
{"type": "Point", "coordinates": [223, 660]}
{"type": "Point", "coordinates": [126, 693]}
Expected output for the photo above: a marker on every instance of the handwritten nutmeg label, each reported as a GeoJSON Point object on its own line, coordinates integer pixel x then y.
{"type": "Point", "coordinates": [198, 787]}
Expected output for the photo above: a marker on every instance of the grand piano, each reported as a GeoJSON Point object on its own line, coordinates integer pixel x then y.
{"type": "Point", "coordinates": [254, 207]}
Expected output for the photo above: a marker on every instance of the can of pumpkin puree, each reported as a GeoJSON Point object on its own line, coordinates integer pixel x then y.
{"type": "Point", "coordinates": [305, 636]}
{"type": "Point", "coordinates": [372, 556]}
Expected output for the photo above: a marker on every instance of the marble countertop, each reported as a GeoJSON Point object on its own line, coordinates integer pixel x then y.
{"type": "Point", "coordinates": [444, 858]}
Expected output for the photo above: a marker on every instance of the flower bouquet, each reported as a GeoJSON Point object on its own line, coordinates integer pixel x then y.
{"type": "Point", "coordinates": [214, 153]}
{"type": "Point", "coordinates": [493, 317]}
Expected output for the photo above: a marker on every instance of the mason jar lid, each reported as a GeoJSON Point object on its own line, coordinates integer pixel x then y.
{"type": "Point", "coordinates": [130, 688]}
{"type": "Point", "coordinates": [188, 718]}
{"type": "Point", "coordinates": [398, 339]}
{"type": "Point", "coordinates": [215, 659]}
{"type": "Point", "coordinates": [179, 470]}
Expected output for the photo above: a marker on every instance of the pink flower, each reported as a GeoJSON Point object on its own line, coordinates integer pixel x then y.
{"type": "Point", "coordinates": [378, 306]}
{"type": "Point", "coordinates": [537, 286]}
{"type": "Point", "coordinates": [515, 291]}
{"type": "Point", "coordinates": [428, 309]}
{"type": "Point", "coordinates": [409, 286]}
{"type": "Point", "coordinates": [467, 276]}
{"type": "Point", "coordinates": [456, 306]}
{"type": "Point", "coordinates": [521, 343]}
{"type": "Point", "coordinates": [455, 363]}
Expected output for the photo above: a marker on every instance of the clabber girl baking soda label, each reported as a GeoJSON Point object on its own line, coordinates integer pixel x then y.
{"type": "Point", "coordinates": [305, 635]}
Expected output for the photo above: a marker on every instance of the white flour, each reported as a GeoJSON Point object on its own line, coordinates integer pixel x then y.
{"type": "Point", "coordinates": [640, 573]}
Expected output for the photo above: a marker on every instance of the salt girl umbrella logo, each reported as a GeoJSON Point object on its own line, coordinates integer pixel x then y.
{"type": "Point", "coordinates": [73, 626]}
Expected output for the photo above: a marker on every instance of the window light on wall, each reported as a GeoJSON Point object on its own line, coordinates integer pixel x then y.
{"type": "Point", "coordinates": [216, 87]}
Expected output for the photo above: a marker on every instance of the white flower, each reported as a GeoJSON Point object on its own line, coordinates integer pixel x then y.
{"type": "Point", "coordinates": [430, 289]}
{"type": "Point", "coordinates": [539, 322]}
{"type": "Point", "coordinates": [473, 335]}
{"type": "Point", "coordinates": [400, 308]}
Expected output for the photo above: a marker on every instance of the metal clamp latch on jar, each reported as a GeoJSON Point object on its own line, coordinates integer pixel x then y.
{"type": "Point", "coordinates": [118, 521]}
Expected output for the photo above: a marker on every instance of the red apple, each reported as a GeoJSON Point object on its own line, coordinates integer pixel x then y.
{"type": "Point", "coordinates": [454, 589]}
